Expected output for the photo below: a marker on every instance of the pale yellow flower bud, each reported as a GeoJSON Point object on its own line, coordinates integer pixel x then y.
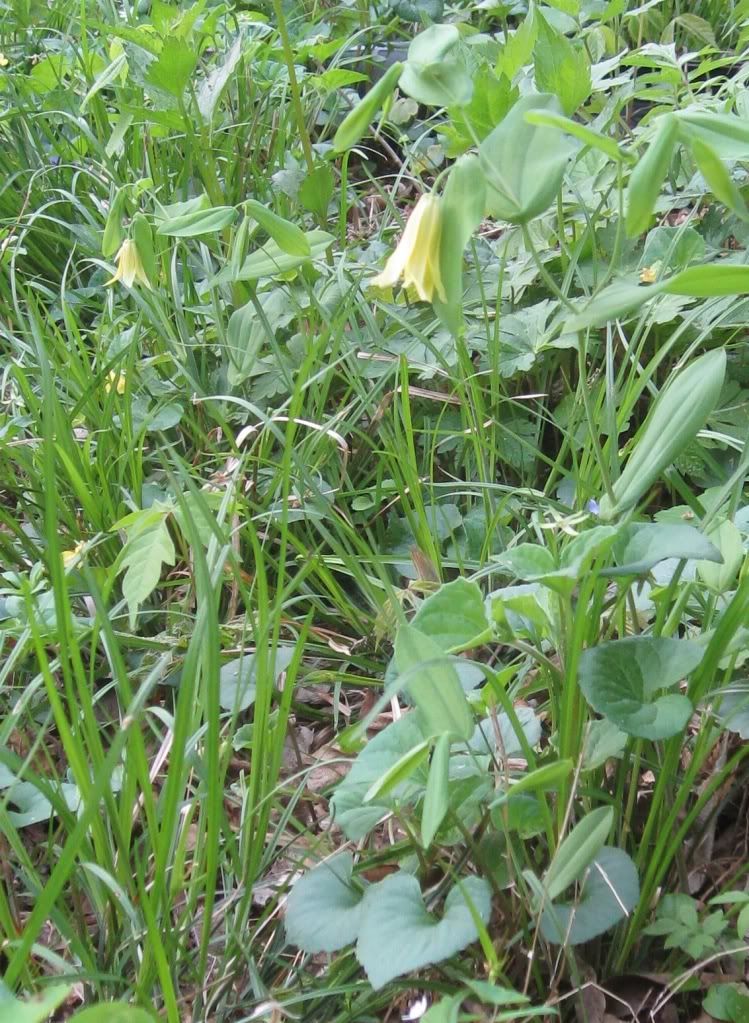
{"type": "Point", "coordinates": [116, 381]}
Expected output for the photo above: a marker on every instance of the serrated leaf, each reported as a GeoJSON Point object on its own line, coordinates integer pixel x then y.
{"type": "Point", "coordinates": [324, 909]}
{"type": "Point", "coordinates": [622, 677]}
{"type": "Point", "coordinates": [398, 935]}
{"type": "Point", "coordinates": [148, 547]}
{"type": "Point", "coordinates": [173, 67]}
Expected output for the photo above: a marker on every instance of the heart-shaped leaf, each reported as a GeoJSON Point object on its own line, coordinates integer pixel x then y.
{"type": "Point", "coordinates": [620, 679]}
{"type": "Point", "coordinates": [35, 1009]}
{"type": "Point", "coordinates": [114, 1012]}
{"type": "Point", "coordinates": [324, 910]}
{"type": "Point", "coordinates": [641, 546]}
{"type": "Point", "coordinates": [454, 616]}
{"type": "Point", "coordinates": [237, 678]}
{"type": "Point", "coordinates": [609, 892]}
{"type": "Point", "coordinates": [399, 936]}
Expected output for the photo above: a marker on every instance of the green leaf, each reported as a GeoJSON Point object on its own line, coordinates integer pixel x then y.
{"type": "Point", "coordinates": [238, 677]}
{"type": "Point", "coordinates": [454, 617]}
{"type": "Point", "coordinates": [602, 742]}
{"type": "Point", "coordinates": [113, 233]}
{"type": "Point", "coordinates": [718, 179]}
{"type": "Point", "coordinates": [173, 67]}
{"type": "Point", "coordinates": [609, 892]}
{"type": "Point", "coordinates": [726, 134]}
{"type": "Point", "coordinates": [527, 560]}
{"type": "Point", "coordinates": [358, 120]}
{"type": "Point", "coordinates": [111, 73]}
{"type": "Point", "coordinates": [437, 797]}
{"type": "Point", "coordinates": [433, 684]}
{"type": "Point", "coordinates": [640, 546]}
{"type": "Point", "coordinates": [518, 47]}
{"type": "Point", "coordinates": [324, 909]}
{"type": "Point", "coordinates": [436, 73]}
{"type": "Point", "coordinates": [36, 1009]}
{"type": "Point", "coordinates": [143, 238]}
{"type": "Point", "coordinates": [728, 1002]}
{"type": "Point", "coordinates": [492, 994]}
{"type": "Point", "coordinates": [548, 776]}
{"type": "Point", "coordinates": [147, 548]}
{"type": "Point", "coordinates": [621, 679]}
{"type": "Point", "coordinates": [589, 137]}
{"type": "Point", "coordinates": [289, 238]}
{"type": "Point", "coordinates": [113, 1012]}
{"type": "Point", "coordinates": [272, 261]}
{"type": "Point", "coordinates": [400, 771]}
{"type": "Point", "coordinates": [243, 341]}
{"type": "Point", "coordinates": [578, 850]}
{"type": "Point", "coordinates": [733, 713]}
{"type": "Point", "coordinates": [316, 191]}
{"type": "Point", "coordinates": [524, 163]}
{"type": "Point", "coordinates": [680, 411]}
{"type": "Point", "coordinates": [349, 811]}
{"type": "Point", "coordinates": [444, 1011]}
{"type": "Point", "coordinates": [191, 225]}
{"type": "Point", "coordinates": [561, 68]}
{"type": "Point", "coordinates": [647, 178]}
{"type": "Point", "coordinates": [462, 210]}
{"type": "Point", "coordinates": [707, 281]}
{"type": "Point", "coordinates": [399, 936]}
{"type": "Point", "coordinates": [727, 539]}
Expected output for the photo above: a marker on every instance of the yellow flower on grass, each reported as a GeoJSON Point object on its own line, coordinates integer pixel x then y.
{"type": "Point", "coordinates": [116, 381]}
{"type": "Point", "coordinates": [3, 60]}
{"type": "Point", "coordinates": [129, 266]}
{"type": "Point", "coordinates": [69, 558]}
{"type": "Point", "coordinates": [416, 259]}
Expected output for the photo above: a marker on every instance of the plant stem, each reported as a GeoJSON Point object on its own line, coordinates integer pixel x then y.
{"type": "Point", "coordinates": [296, 98]}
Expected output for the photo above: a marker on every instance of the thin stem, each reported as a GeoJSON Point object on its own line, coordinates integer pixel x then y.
{"type": "Point", "coordinates": [296, 98]}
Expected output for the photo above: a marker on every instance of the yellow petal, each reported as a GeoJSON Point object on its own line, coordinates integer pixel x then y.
{"type": "Point", "coordinates": [412, 259]}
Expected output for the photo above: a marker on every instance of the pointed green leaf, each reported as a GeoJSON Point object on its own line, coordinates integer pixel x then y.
{"type": "Point", "coordinates": [287, 236]}
{"type": "Point", "coordinates": [437, 797]}
{"type": "Point", "coordinates": [462, 210]}
{"type": "Point", "coordinates": [358, 120]}
{"type": "Point", "coordinates": [647, 178]}
{"type": "Point", "coordinates": [610, 891]}
{"type": "Point", "coordinates": [577, 851]}
{"type": "Point", "coordinates": [433, 684]}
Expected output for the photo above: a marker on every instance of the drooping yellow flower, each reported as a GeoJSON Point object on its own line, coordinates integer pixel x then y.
{"type": "Point", "coordinates": [129, 266]}
{"type": "Point", "coordinates": [416, 258]}
{"type": "Point", "coordinates": [69, 558]}
{"type": "Point", "coordinates": [116, 380]}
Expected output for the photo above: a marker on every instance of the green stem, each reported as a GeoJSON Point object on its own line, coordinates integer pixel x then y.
{"type": "Point", "coordinates": [296, 98]}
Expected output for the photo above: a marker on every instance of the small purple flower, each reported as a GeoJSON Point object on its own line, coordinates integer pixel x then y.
{"type": "Point", "coordinates": [593, 507]}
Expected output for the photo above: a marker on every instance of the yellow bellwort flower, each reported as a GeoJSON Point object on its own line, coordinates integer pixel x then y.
{"type": "Point", "coordinates": [116, 381]}
{"type": "Point", "coordinates": [69, 558]}
{"type": "Point", "coordinates": [129, 266]}
{"type": "Point", "coordinates": [416, 258]}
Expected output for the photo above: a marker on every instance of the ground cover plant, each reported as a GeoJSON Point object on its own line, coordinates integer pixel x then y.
{"type": "Point", "coordinates": [374, 600]}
